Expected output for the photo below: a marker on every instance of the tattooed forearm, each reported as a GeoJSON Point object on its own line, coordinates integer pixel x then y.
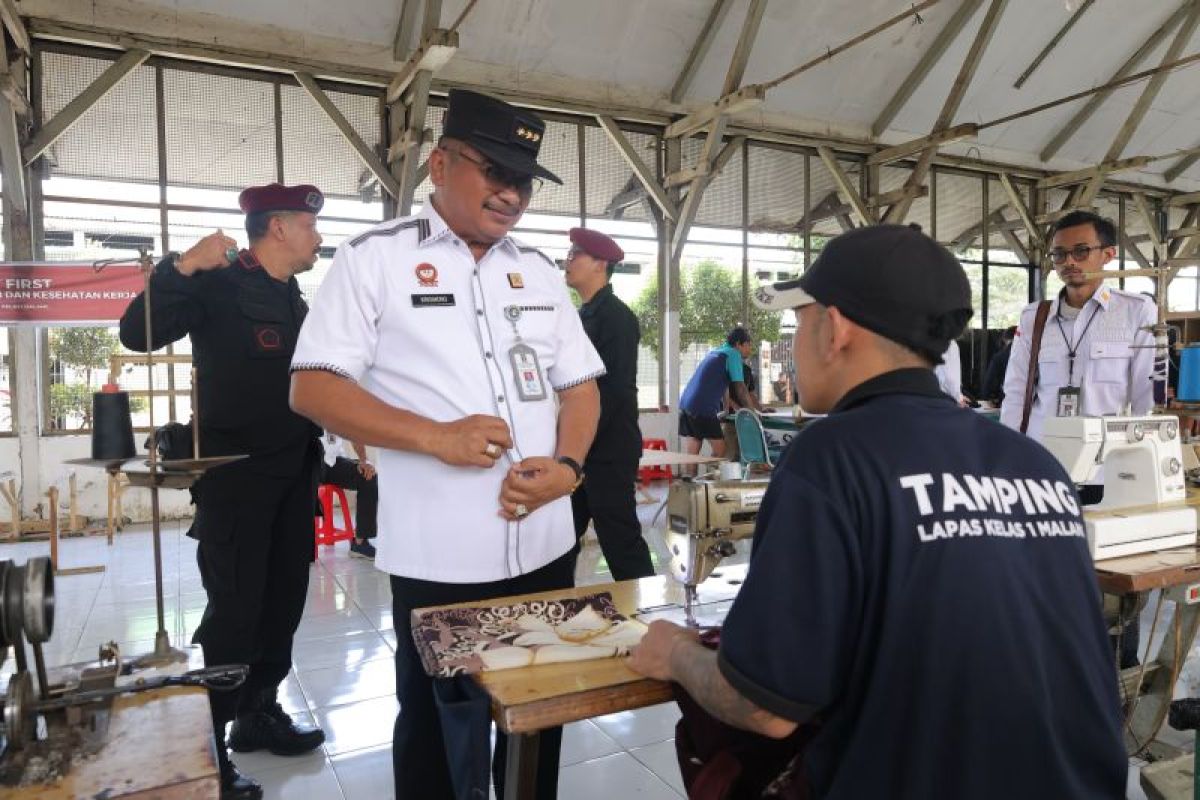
{"type": "Point", "coordinates": [695, 667]}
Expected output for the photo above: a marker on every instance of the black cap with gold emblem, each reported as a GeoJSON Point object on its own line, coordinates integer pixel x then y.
{"type": "Point", "coordinates": [508, 136]}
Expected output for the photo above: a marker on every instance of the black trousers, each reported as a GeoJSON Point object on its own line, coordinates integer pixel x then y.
{"type": "Point", "coordinates": [607, 497]}
{"type": "Point", "coordinates": [344, 473]}
{"type": "Point", "coordinates": [256, 545]}
{"type": "Point", "coordinates": [419, 765]}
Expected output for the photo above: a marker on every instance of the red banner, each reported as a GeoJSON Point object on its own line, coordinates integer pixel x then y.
{"type": "Point", "coordinates": [66, 294]}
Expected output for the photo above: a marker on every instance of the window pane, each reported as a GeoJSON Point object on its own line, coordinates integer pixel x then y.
{"type": "Point", "coordinates": [1008, 293]}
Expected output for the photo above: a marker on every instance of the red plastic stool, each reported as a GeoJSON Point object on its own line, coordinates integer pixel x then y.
{"type": "Point", "coordinates": [647, 474]}
{"type": "Point", "coordinates": [327, 532]}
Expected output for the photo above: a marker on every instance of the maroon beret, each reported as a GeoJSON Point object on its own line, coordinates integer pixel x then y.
{"type": "Point", "coordinates": [596, 244]}
{"type": "Point", "coordinates": [277, 197]}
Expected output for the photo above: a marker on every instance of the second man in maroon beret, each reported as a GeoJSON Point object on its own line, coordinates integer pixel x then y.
{"type": "Point", "coordinates": [606, 498]}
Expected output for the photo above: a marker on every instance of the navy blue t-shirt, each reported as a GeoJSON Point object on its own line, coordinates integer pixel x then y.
{"type": "Point", "coordinates": [704, 393]}
{"type": "Point", "coordinates": [920, 579]}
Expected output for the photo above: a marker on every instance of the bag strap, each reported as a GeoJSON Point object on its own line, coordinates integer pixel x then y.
{"type": "Point", "coordinates": [1035, 344]}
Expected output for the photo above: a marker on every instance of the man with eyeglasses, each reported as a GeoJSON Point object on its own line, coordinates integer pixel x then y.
{"type": "Point", "coordinates": [607, 497]}
{"type": "Point", "coordinates": [455, 349]}
{"type": "Point", "coordinates": [1096, 353]}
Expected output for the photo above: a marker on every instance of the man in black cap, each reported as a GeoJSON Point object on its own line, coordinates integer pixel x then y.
{"type": "Point", "coordinates": [607, 496]}
{"type": "Point", "coordinates": [920, 581]}
{"type": "Point", "coordinates": [254, 518]}
{"type": "Point", "coordinates": [445, 343]}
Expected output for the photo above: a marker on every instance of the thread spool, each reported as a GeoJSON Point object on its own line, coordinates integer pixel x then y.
{"type": "Point", "coordinates": [112, 425]}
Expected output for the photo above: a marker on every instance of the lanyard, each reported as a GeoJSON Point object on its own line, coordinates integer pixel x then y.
{"type": "Point", "coordinates": [1072, 349]}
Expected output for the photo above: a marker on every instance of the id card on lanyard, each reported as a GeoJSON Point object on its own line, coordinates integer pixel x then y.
{"type": "Point", "coordinates": [527, 371]}
{"type": "Point", "coordinates": [1069, 396]}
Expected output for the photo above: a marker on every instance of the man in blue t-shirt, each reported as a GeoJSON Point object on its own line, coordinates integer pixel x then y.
{"type": "Point", "coordinates": [920, 586]}
{"type": "Point", "coordinates": [722, 370]}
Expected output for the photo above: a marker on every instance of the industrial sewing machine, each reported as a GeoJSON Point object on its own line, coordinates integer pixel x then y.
{"type": "Point", "coordinates": [48, 728]}
{"type": "Point", "coordinates": [705, 516]}
{"type": "Point", "coordinates": [1142, 459]}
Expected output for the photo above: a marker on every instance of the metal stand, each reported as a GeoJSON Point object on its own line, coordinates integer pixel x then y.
{"type": "Point", "coordinates": [163, 652]}
{"type": "Point", "coordinates": [169, 474]}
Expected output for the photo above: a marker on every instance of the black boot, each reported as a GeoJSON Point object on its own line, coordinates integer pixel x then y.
{"type": "Point", "coordinates": [235, 785]}
{"type": "Point", "coordinates": [268, 727]}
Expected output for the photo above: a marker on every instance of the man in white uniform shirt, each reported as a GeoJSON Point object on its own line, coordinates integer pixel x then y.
{"type": "Point", "coordinates": [456, 351]}
{"type": "Point", "coordinates": [1097, 351]}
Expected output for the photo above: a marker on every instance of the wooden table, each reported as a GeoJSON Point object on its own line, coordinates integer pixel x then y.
{"type": "Point", "coordinates": [528, 700]}
{"type": "Point", "coordinates": [670, 458]}
{"type": "Point", "coordinates": [159, 745]}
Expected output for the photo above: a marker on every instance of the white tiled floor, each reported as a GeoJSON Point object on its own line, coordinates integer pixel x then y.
{"type": "Point", "coordinates": [343, 679]}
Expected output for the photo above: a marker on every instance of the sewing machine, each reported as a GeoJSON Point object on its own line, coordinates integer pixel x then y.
{"type": "Point", "coordinates": [705, 516]}
{"type": "Point", "coordinates": [1142, 458]}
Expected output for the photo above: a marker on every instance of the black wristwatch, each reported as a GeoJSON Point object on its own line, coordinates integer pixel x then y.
{"type": "Point", "coordinates": [574, 465]}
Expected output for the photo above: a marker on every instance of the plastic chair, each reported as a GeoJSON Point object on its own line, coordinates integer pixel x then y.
{"type": "Point", "coordinates": [752, 440]}
{"type": "Point", "coordinates": [327, 531]}
{"type": "Point", "coordinates": [647, 474]}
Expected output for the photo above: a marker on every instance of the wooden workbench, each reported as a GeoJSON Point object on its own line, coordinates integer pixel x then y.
{"type": "Point", "coordinates": [527, 700]}
{"type": "Point", "coordinates": [159, 746]}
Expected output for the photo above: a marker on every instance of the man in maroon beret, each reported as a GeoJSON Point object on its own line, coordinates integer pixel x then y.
{"type": "Point", "coordinates": [254, 518]}
{"type": "Point", "coordinates": [606, 497]}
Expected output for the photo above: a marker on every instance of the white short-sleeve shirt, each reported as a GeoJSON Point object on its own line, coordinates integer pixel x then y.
{"type": "Point", "coordinates": [408, 313]}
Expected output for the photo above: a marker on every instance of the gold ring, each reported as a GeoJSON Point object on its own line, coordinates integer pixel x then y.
{"type": "Point", "coordinates": [492, 450]}
{"type": "Point", "coordinates": [521, 510]}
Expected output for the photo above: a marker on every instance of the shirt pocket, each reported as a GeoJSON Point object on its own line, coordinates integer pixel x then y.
{"type": "Point", "coordinates": [536, 325]}
{"type": "Point", "coordinates": [268, 333]}
{"type": "Point", "coordinates": [1052, 362]}
{"type": "Point", "coordinates": [1108, 362]}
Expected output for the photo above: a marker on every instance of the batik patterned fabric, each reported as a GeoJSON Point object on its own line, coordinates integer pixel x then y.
{"type": "Point", "coordinates": [463, 641]}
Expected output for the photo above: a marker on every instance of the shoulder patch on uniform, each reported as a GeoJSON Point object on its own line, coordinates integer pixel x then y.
{"type": "Point", "coordinates": [421, 224]}
{"type": "Point", "coordinates": [524, 248]}
{"type": "Point", "coordinates": [1118, 292]}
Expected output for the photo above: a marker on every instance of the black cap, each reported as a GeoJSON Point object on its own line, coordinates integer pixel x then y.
{"type": "Point", "coordinates": [891, 279]}
{"type": "Point", "coordinates": [507, 135]}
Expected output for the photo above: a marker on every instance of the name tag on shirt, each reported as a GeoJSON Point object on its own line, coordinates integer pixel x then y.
{"type": "Point", "coordinates": [432, 300]}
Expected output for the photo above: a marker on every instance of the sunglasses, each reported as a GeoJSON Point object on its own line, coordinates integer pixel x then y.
{"type": "Point", "coordinates": [496, 175]}
{"type": "Point", "coordinates": [1079, 252]}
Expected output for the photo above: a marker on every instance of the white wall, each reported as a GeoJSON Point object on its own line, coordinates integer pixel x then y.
{"type": "Point", "coordinates": [656, 425]}
{"type": "Point", "coordinates": [91, 483]}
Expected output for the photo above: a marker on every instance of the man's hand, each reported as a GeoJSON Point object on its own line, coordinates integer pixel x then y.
{"type": "Point", "coordinates": [366, 469]}
{"type": "Point", "coordinates": [475, 441]}
{"type": "Point", "coordinates": [208, 253]}
{"type": "Point", "coordinates": [532, 484]}
{"type": "Point", "coordinates": [652, 656]}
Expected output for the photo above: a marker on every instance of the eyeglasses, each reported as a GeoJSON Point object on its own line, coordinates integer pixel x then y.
{"type": "Point", "coordinates": [1079, 252]}
{"type": "Point", "coordinates": [574, 251]}
{"type": "Point", "coordinates": [526, 185]}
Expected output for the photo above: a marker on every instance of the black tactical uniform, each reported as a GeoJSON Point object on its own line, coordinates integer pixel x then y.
{"type": "Point", "coordinates": [606, 496]}
{"type": "Point", "coordinates": [254, 518]}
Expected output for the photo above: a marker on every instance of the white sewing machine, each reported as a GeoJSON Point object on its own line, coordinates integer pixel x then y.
{"type": "Point", "coordinates": [1142, 459]}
